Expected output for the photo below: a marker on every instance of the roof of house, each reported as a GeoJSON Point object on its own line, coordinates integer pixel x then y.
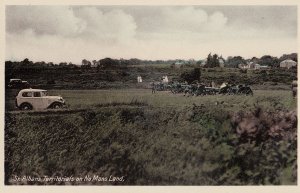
{"type": "Point", "coordinates": [221, 60]}
{"type": "Point", "coordinates": [288, 61]}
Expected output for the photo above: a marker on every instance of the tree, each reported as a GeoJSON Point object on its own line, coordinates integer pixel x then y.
{"type": "Point", "coordinates": [212, 61]}
{"type": "Point", "coordinates": [95, 63]}
{"type": "Point", "coordinates": [86, 64]}
{"type": "Point", "coordinates": [27, 62]}
{"type": "Point", "coordinates": [199, 62]}
{"type": "Point", "coordinates": [215, 61]}
{"type": "Point", "coordinates": [191, 76]}
{"type": "Point", "coordinates": [292, 56]}
{"type": "Point", "coordinates": [108, 63]}
{"type": "Point", "coordinates": [208, 61]}
{"type": "Point", "coordinates": [50, 64]}
{"type": "Point", "coordinates": [255, 60]}
{"type": "Point", "coordinates": [269, 61]}
{"type": "Point", "coordinates": [63, 64]}
{"type": "Point", "coordinates": [233, 62]}
{"type": "Point", "coordinates": [134, 61]}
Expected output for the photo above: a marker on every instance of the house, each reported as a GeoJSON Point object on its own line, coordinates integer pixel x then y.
{"type": "Point", "coordinates": [264, 67]}
{"type": "Point", "coordinates": [179, 64]}
{"type": "Point", "coordinates": [251, 65]}
{"type": "Point", "coordinates": [203, 62]}
{"type": "Point", "coordinates": [288, 64]}
{"type": "Point", "coordinates": [257, 66]}
{"type": "Point", "coordinates": [242, 66]}
{"type": "Point", "coordinates": [221, 62]}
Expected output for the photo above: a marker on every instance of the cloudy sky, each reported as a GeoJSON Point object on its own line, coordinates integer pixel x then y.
{"type": "Point", "coordinates": [73, 33]}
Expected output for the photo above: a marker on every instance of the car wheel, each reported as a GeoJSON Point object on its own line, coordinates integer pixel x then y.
{"type": "Point", "coordinates": [26, 107]}
{"type": "Point", "coordinates": [56, 106]}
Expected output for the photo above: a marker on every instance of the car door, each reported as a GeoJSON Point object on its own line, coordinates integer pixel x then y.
{"type": "Point", "coordinates": [27, 97]}
{"type": "Point", "coordinates": [45, 99]}
{"type": "Point", "coordinates": [38, 100]}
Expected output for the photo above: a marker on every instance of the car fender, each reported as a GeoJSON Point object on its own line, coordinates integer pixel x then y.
{"type": "Point", "coordinates": [55, 102]}
{"type": "Point", "coordinates": [25, 103]}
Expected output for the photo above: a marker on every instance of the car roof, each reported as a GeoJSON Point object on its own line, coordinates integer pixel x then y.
{"type": "Point", "coordinates": [32, 90]}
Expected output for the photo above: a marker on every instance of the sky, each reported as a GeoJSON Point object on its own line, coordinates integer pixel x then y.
{"type": "Point", "coordinates": [72, 33]}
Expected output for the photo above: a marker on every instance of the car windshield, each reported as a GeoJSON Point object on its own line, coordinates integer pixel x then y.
{"type": "Point", "coordinates": [44, 93]}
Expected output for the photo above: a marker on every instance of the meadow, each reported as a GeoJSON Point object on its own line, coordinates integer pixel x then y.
{"type": "Point", "coordinates": [113, 126]}
{"type": "Point", "coordinates": [156, 139]}
{"type": "Point", "coordinates": [81, 99]}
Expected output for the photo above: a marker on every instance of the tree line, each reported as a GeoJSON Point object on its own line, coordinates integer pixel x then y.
{"type": "Point", "coordinates": [212, 60]}
{"type": "Point", "coordinates": [233, 61]}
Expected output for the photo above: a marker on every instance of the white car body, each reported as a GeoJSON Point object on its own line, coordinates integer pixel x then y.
{"type": "Point", "coordinates": [37, 99]}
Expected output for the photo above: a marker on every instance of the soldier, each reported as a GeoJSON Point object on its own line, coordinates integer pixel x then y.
{"type": "Point", "coordinates": [213, 84]}
{"type": "Point", "coordinates": [153, 88]}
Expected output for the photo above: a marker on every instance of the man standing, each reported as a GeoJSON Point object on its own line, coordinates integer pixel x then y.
{"type": "Point", "coordinates": [153, 88]}
{"type": "Point", "coordinates": [294, 88]}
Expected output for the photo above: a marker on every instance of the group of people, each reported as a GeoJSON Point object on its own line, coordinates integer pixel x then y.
{"type": "Point", "coordinates": [293, 87]}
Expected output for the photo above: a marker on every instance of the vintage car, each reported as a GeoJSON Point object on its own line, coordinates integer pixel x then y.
{"type": "Point", "coordinates": [38, 99]}
{"type": "Point", "coordinates": [18, 84]}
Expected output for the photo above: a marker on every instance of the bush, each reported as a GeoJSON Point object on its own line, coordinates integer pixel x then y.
{"type": "Point", "coordinates": [190, 76]}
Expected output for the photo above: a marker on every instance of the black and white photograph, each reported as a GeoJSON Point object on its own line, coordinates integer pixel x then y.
{"type": "Point", "coordinates": [150, 95]}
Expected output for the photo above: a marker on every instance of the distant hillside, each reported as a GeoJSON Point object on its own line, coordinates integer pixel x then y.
{"type": "Point", "coordinates": [72, 76]}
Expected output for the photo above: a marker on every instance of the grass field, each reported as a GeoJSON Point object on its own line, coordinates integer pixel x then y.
{"type": "Point", "coordinates": [156, 139]}
{"type": "Point", "coordinates": [153, 139]}
{"type": "Point", "coordinates": [268, 99]}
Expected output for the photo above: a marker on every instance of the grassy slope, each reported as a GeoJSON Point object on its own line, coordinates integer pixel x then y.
{"type": "Point", "coordinates": [127, 77]}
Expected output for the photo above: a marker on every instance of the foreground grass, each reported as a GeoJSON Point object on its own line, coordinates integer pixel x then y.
{"type": "Point", "coordinates": [147, 145]}
{"type": "Point", "coordinates": [156, 139]}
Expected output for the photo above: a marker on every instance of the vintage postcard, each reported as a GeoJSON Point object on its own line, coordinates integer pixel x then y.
{"type": "Point", "coordinates": [139, 94]}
